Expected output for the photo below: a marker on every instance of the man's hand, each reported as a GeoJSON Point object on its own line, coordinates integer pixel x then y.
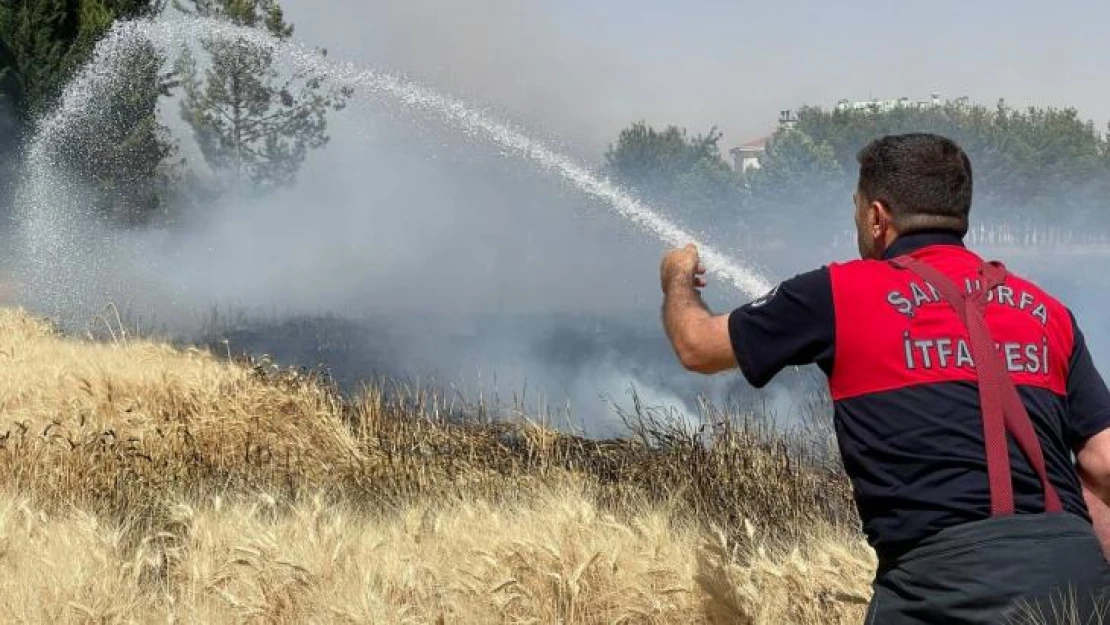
{"type": "Point", "coordinates": [681, 267]}
{"type": "Point", "coordinates": [700, 340]}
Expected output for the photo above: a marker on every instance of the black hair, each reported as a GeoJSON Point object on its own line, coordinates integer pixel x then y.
{"type": "Point", "coordinates": [923, 179]}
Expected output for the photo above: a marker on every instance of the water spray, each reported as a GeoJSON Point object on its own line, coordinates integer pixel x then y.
{"type": "Point", "coordinates": [50, 226]}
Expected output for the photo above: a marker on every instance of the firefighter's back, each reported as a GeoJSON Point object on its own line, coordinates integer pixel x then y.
{"type": "Point", "coordinates": [910, 424]}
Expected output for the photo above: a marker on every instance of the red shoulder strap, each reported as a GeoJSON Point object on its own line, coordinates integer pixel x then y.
{"type": "Point", "coordinates": [1000, 402]}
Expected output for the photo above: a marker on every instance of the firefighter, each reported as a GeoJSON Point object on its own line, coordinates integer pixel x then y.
{"type": "Point", "coordinates": [961, 392]}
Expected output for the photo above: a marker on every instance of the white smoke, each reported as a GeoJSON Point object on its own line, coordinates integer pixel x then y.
{"type": "Point", "coordinates": [429, 214]}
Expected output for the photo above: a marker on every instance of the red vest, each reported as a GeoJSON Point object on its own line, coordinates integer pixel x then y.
{"type": "Point", "coordinates": [894, 331]}
{"type": "Point", "coordinates": [912, 418]}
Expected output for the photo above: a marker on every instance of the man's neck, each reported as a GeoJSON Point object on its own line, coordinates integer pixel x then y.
{"type": "Point", "coordinates": [912, 241]}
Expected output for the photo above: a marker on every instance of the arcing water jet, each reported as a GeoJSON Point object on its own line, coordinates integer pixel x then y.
{"type": "Point", "coordinates": [51, 213]}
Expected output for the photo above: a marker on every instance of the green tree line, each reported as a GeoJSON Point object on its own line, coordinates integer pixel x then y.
{"type": "Point", "coordinates": [1033, 167]}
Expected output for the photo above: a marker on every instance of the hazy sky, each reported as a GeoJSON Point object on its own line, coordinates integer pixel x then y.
{"type": "Point", "coordinates": [583, 69]}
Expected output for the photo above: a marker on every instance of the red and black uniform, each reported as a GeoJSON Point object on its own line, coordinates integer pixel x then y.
{"type": "Point", "coordinates": [903, 381]}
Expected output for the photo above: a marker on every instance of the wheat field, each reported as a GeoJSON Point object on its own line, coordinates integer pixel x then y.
{"type": "Point", "coordinates": [146, 483]}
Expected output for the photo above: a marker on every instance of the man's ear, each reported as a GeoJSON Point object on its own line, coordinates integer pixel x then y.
{"type": "Point", "coordinates": [880, 218]}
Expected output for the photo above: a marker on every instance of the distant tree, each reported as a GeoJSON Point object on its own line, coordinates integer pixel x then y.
{"type": "Point", "coordinates": [252, 125]}
{"type": "Point", "coordinates": [683, 174]}
{"type": "Point", "coordinates": [799, 178]}
{"type": "Point", "coordinates": [796, 168]}
{"type": "Point", "coordinates": [1034, 165]}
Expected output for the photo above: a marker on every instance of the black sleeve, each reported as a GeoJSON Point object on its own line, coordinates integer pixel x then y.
{"type": "Point", "coordinates": [791, 325]}
{"type": "Point", "coordinates": [1088, 398]}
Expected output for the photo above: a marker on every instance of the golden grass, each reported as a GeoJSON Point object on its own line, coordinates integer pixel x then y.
{"type": "Point", "coordinates": [146, 483]}
{"type": "Point", "coordinates": [557, 559]}
{"type": "Point", "coordinates": [96, 420]}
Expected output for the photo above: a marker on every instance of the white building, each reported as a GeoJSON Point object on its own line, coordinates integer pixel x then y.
{"type": "Point", "coordinates": [747, 155]}
{"type": "Point", "coordinates": [887, 105]}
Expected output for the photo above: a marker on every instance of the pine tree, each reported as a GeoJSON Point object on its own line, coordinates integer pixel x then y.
{"type": "Point", "coordinates": [120, 149]}
{"type": "Point", "coordinates": [44, 42]}
{"type": "Point", "coordinates": [251, 125]}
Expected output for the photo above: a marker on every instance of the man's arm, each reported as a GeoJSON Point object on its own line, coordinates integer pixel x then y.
{"type": "Point", "coordinates": [1093, 459]}
{"type": "Point", "coordinates": [700, 338]}
{"type": "Point", "coordinates": [1089, 433]}
{"type": "Point", "coordinates": [794, 324]}
{"type": "Point", "coordinates": [1094, 465]}
{"type": "Point", "coordinates": [1094, 473]}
